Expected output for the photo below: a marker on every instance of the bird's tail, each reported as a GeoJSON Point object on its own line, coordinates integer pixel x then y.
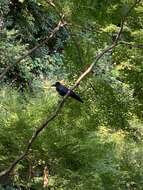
{"type": "Point", "coordinates": [75, 96]}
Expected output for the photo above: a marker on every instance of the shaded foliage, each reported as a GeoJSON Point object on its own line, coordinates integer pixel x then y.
{"type": "Point", "coordinates": [96, 145]}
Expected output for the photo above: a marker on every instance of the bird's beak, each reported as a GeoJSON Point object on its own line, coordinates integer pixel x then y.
{"type": "Point", "coordinates": [53, 85]}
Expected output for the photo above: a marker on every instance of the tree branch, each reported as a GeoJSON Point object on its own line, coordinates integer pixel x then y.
{"type": "Point", "coordinates": [45, 124]}
{"type": "Point", "coordinates": [59, 107]}
{"type": "Point", "coordinates": [139, 46]}
{"type": "Point", "coordinates": [55, 30]}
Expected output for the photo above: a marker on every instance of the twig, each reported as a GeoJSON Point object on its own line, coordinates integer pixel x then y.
{"type": "Point", "coordinates": [139, 46]}
{"type": "Point", "coordinates": [56, 29]}
{"type": "Point", "coordinates": [59, 107]}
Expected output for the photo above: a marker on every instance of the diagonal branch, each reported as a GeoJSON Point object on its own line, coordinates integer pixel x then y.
{"type": "Point", "coordinates": [59, 107]}
{"type": "Point", "coordinates": [55, 114]}
{"type": "Point", "coordinates": [55, 30]}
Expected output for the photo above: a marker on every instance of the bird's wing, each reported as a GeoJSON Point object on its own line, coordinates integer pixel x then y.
{"type": "Point", "coordinates": [62, 90]}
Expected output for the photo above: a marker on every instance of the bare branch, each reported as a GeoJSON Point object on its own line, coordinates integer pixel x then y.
{"type": "Point", "coordinates": [56, 29]}
{"type": "Point", "coordinates": [59, 107]}
{"type": "Point", "coordinates": [130, 44]}
{"type": "Point", "coordinates": [55, 114]}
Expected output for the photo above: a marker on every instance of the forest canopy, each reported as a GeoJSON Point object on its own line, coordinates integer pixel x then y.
{"type": "Point", "coordinates": [95, 48]}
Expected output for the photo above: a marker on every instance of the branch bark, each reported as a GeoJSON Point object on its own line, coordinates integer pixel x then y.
{"type": "Point", "coordinates": [59, 107]}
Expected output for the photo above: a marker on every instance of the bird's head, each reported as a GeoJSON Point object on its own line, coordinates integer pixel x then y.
{"type": "Point", "coordinates": [56, 84]}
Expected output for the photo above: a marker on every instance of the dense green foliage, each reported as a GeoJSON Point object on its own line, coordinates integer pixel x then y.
{"type": "Point", "coordinates": [96, 145]}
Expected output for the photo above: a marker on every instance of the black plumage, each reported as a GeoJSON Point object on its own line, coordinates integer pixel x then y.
{"type": "Point", "coordinates": [62, 90]}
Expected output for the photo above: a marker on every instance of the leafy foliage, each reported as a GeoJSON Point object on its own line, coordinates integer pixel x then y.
{"type": "Point", "coordinates": [26, 24]}
{"type": "Point", "coordinates": [95, 145]}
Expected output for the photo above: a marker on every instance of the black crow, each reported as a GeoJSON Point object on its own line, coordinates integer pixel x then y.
{"type": "Point", "coordinates": [62, 90]}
